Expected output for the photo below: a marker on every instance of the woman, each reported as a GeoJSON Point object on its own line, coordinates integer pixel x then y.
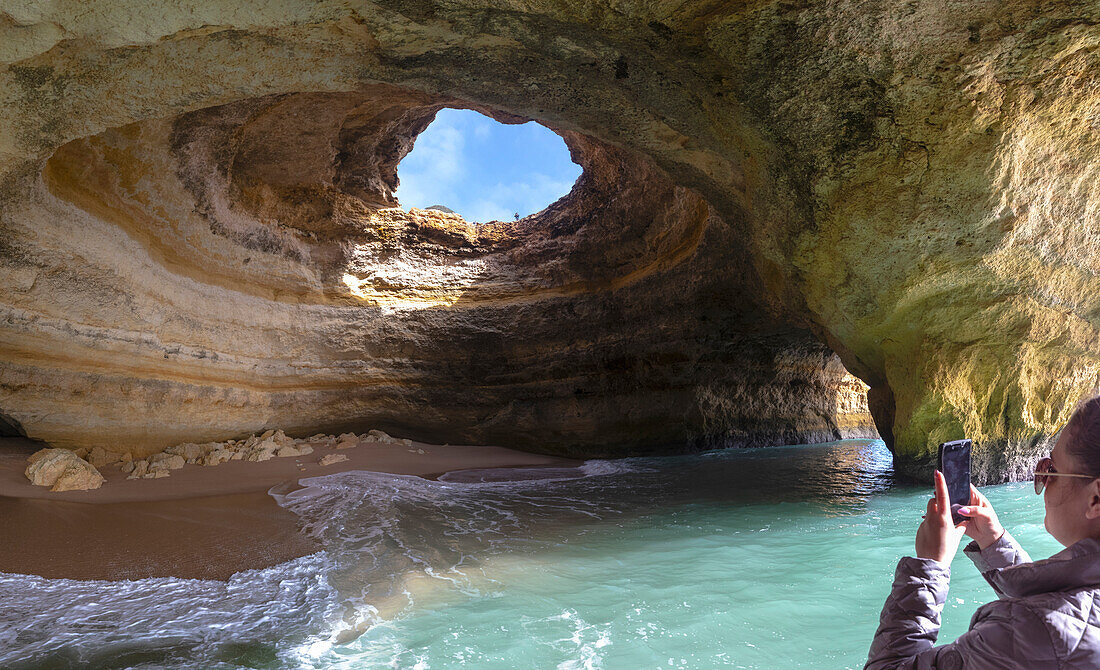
{"type": "Point", "coordinates": [1048, 612]}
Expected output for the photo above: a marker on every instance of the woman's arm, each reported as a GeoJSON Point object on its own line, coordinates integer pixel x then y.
{"type": "Point", "coordinates": [992, 547]}
{"type": "Point", "coordinates": [1003, 553]}
{"type": "Point", "coordinates": [1004, 633]}
{"type": "Point", "coordinates": [910, 619]}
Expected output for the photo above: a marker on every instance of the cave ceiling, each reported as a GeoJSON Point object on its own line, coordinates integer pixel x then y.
{"type": "Point", "coordinates": [199, 236]}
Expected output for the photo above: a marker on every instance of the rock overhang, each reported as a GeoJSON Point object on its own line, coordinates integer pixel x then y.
{"type": "Point", "coordinates": [252, 254]}
{"type": "Point", "coordinates": [296, 192]}
{"type": "Point", "coordinates": [833, 186]}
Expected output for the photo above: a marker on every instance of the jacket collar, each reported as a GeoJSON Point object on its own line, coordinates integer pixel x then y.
{"type": "Point", "coordinates": [1074, 567]}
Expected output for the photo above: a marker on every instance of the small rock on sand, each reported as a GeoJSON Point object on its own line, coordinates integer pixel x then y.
{"type": "Point", "coordinates": [169, 461]}
{"type": "Point", "coordinates": [329, 459]}
{"type": "Point", "coordinates": [260, 453]}
{"type": "Point", "coordinates": [190, 451]}
{"type": "Point", "coordinates": [99, 457]}
{"type": "Point", "coordinates": [321, 440]}
{"type": "Point", "coordinates": [157, 468]}
{"type": "Point", "coordinates": [218, 457]}
{"type": "Point", "coordinates": [347, 441]}
{"type": "Point", "coordinates": [139, 470]}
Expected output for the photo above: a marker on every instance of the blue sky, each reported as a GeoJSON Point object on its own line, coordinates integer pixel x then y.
{"type": "Point", "coordinates": [485, 170]}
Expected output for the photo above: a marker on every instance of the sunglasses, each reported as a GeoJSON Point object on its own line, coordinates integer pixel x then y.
{"type": "Point", "coordinates": [1045, 468]}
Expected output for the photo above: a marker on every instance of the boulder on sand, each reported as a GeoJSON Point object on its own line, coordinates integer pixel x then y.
{"type": "Point", "coordinates": [62, 470]}
{"type": "Point", "coordinates": [347, 441]}
{"type": "Point", "coordinates": [80, 475]}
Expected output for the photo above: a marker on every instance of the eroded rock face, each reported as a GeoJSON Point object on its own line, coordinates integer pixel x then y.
{"type": "Point", "coordinates": [590, 328]}
{"type": "Point", "coordinates": [198, 234]}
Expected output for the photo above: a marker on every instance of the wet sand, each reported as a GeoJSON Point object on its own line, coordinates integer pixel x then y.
{"type": "Point", "coordinates": [210, 537]}
{"type": "Point", "coordinates": [201, 522]}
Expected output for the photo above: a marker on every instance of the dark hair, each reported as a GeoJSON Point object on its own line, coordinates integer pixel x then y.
{"type": "Point", "coordinates": [1084, 428]}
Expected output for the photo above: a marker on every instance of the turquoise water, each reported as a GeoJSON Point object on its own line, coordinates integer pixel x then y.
{"type": "Point", "coordinates": [769, 558]}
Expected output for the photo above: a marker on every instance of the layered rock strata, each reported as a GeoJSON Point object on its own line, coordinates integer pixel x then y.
{"type": "Point", "coordinates": [199, 239]}
{"type": "Point", "coordinates": [318, 305]}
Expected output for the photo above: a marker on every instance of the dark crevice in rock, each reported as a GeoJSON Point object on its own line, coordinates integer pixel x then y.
{"type": "Point", "coordinates": [10, 427]}
{"type": "Point", "coordinates": [880, 401]}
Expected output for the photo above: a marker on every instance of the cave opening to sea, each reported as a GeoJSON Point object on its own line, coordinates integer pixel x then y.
{"type": "Point", "coordinates": [483, 170]}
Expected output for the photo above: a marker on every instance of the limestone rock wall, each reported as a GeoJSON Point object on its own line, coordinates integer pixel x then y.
{"type": "Point", "coordinates": [247, 269]}
{"type": "Point", "coordinates": [950, 254]}
{"type": "Point", "coordinates": [198, 236]}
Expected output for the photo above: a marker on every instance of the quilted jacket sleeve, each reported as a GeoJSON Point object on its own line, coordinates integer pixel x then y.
{"type": "Point", "coordinates": [1003, 634]}
{"type": "Point", "coordinates": [1003, 553]}
{"type": "Point", "coordinates": [910, 619]}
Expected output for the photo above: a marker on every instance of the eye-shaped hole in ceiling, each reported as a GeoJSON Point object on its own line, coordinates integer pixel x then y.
{"type": "Point", "coordinates": [484, 170]}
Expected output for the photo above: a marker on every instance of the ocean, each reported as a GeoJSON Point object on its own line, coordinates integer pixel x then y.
{"type": "Point", "coordinates": [764, 558]}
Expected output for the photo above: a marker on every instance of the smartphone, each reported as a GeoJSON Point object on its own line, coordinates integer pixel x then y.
{"type": "Point", "coordinates": [955, 466]}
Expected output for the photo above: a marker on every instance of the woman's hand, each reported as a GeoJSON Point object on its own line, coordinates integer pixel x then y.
{"type": "Point", "coordinates": [981, 523]}
{"type": "Point", "coordinates": [938, 537]}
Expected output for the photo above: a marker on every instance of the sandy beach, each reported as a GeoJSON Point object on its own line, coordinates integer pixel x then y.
{"type": "Point", "coordinates": [201, 522]}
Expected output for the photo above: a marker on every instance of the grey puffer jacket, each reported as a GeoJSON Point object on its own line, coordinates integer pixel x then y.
{"type": "Point", "coordinates": [1047, 616]}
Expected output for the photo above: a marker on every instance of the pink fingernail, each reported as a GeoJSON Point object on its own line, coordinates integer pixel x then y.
{"type": "Point", "coordinates": [964, 510]}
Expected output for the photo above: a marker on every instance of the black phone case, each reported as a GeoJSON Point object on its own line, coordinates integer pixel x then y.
{"type": "Point", "coordinates": [955, 466]}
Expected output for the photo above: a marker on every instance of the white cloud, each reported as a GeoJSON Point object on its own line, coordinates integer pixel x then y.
{"type": "Point", "coordinates": [531, 195]}
{"type": "Point", "coordinates": [484, 211]}
{"type": "Point", "coordinates": [436, 163]}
